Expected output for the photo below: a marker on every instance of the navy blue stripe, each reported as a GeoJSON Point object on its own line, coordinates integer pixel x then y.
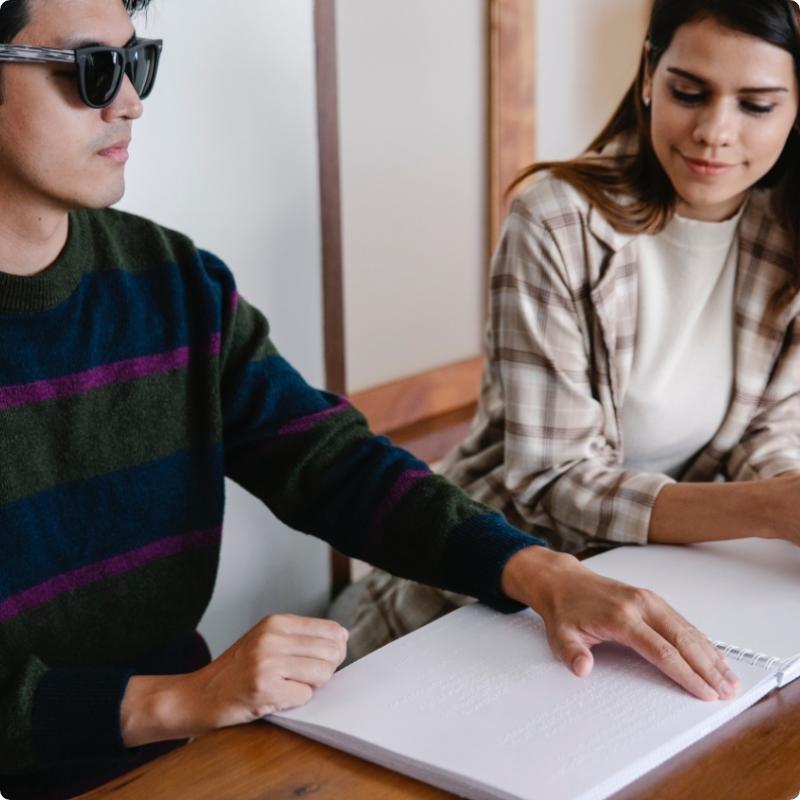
{"type": "Point", "coordinates": [78, 524]}
{"type": "Point", "coordinates": [270, 393]}
{"type": "Point", "coordinates": [476, 552]}
{"type": "Point", "coordinates": [112, 316]}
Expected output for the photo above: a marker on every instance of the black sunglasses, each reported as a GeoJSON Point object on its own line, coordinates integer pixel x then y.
{"type": "Point", "coordinates": [100, 69]}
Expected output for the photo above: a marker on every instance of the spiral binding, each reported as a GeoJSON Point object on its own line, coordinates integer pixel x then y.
{"type": "Point", "coordinates": [747, 656]}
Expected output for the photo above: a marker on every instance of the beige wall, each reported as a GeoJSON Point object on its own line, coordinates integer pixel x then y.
{"type": "Point", "coordinates": [412, 105]}
{"type": "Point", "coordinates": [412, 111]}
{"type": "Point", "coordinates": [226, 151]}
{"type": "Point", "coordinates": [588, 51]}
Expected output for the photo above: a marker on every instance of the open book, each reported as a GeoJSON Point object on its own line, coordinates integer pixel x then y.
{"type": "Point", "coordinates": [476, 704]}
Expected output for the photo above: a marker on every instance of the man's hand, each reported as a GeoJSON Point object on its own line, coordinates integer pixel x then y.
{"type": "Point", "coordinates": [276, 665]}
{"type": "Point", "coordinates": [581, 609]}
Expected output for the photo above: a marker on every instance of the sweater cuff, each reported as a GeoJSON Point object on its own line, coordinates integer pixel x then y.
{"type": "Point", "coordinates": [76, 715]}
{"type": "Point", "coordinates": [482, 546]}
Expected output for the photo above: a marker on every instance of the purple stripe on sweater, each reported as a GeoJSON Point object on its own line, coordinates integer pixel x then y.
{"type": "Point", "coordinates": [98, 377]}
{"type": "Point", "coordinates": [303, 424]}
{"type": "Point", "coordinates": [234, 301]}
{"type": "Point", "coordinates": [401, 486]}
{"type": "Point", "coordinates": [103, 570]}
{"type": "Point", "coordinates": [215, 344]}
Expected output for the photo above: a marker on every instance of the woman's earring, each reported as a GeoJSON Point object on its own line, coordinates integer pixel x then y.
{"type": "Point", "coordinates": [646, 101]}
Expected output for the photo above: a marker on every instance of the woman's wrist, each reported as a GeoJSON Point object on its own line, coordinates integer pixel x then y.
{"type": "Point", "coordinates": [685, 513]}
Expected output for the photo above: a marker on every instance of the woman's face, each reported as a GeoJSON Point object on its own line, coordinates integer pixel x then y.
{"type": "Point", "coordinates": [722, 106]}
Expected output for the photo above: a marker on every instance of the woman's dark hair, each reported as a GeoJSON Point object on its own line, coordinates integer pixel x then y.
{"type": "Point", "coordinates": [639, 175]}
{"type": "Point", "coordinates": [14, 16]}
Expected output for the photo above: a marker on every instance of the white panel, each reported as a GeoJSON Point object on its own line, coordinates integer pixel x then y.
{"type": "Point", "coordinates": [413, 147]}
{"type": "Point", "coordinates": [587, 55]}
{"type": "Point", "coordinates": [227, 152]}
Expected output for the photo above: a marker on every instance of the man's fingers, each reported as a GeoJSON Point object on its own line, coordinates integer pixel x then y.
{"type": "Point", "coordinates": [705, 659]}
{"type": "Point", "coordinates": [291, 694]}
{"type": "Point", "coordinates": [663, 654]}
{"type": "Point", "coordinates": [568, 645]}
{"type": "Point", "coordinates": [311, 671]}
{"type": "Point", "coordinates": [294, 625]}
{"type": "Point", "coordinates": [332, 651]}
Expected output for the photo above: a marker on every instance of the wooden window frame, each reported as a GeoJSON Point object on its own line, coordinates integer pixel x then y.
{"type": "Point", "coordinates": [430, 411]}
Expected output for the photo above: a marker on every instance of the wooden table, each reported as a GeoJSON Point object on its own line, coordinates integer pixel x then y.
{"type": "Point", "coordinates": [754, 757]}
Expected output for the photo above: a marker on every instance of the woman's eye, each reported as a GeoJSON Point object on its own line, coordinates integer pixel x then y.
{"type": "Point", "coordinates": [756, 108]}
{"type": "Point", "coordinates": [688, 98]}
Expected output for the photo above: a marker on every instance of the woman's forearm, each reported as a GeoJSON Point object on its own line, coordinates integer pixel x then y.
{"type": "Point", "coordinates": [705, 512]}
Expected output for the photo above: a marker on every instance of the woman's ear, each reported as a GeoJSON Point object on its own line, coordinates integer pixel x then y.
{"type": "Point", "coordinates": [647, 77]}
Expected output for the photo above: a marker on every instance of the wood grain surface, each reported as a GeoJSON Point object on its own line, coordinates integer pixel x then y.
{"type": "Point", "coordinates": [754, 757]}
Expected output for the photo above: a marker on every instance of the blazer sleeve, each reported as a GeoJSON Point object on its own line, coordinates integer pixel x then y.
{"type": "Point", "coordinates": [771, 442]}
{"type": "Point", "coordinates": [560, 471]}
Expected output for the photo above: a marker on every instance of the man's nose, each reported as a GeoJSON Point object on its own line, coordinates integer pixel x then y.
{"type": "Point", "coordinates": [127, 104]}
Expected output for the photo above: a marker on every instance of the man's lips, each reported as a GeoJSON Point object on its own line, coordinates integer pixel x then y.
{"type": "Point", "coordinates": [117, 151]}
{"type": "Point", "coordinates": [700, 166]}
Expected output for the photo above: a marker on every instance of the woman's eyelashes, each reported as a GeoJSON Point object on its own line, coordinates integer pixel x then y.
{"type": "Point", "coordinates": [692, 98]}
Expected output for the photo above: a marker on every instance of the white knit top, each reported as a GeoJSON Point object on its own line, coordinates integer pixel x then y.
{"type": "Point", "coordinates": [682, 373]}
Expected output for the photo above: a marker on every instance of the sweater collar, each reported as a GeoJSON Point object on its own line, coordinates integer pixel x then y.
{"type": "Point", "coordinates": [53, 285]}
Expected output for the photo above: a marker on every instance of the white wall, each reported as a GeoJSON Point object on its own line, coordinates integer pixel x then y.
{"type": "Point", "coordinates": [226, 152]}
{"type": "Point", "coordinates": [413, 150]}
{"type": "Point", "coordinates": [587, 55]}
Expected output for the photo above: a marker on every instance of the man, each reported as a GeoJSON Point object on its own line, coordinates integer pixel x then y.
{"type": "Point", "coordinates": [133, 378]}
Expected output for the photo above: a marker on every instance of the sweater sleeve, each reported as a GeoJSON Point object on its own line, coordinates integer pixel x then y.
{"type": "Point", "coordinates": [39, 705]}
{"type": "Point", "coordinates": [311, 458]}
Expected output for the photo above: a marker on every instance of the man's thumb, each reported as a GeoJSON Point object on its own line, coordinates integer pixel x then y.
{"type": "Point", "coordinates": [575, 654]}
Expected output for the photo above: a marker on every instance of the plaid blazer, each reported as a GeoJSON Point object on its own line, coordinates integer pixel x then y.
{"type": "Point", "coordinates": [546, 445]}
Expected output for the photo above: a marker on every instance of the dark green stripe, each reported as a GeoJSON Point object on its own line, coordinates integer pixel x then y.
{"type": "Point", "coordinates": [249, 339]}
{"type": "Point", "coordinates": [119, 620]}
{"type": "Point", "coordinates": [147, 425]}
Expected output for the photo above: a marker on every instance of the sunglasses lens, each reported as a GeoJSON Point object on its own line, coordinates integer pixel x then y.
{"type": "Point", "coordinates": [102, 76]}
{"type": "Point", "coordinates": [141, 68]}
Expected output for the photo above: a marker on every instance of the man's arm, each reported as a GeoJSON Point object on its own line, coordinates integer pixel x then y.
{"type": "Point", "coordinates": [284, 659]}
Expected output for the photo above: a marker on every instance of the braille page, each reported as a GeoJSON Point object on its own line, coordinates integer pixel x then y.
{"type": "Point", "coordinates": [745, 593]}
{"type": "Point", "coordinates": [476, 704]}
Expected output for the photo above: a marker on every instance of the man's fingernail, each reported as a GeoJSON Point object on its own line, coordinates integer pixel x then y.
{"type": "Point", "coordinates": [710, 694]}
{"type": "Point", "coordinates": [580, 664]}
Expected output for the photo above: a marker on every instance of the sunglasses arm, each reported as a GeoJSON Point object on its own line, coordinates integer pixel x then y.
{"type": "Point", "coordinates": [20, 53]}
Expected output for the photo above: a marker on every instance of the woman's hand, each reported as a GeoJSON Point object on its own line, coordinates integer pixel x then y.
{"type": "Point", "coordinates": [581, 609]}
{"type": "Point", "coordinates": [276, 665]}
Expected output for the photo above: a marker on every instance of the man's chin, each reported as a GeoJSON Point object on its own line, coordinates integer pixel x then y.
{"type": "Point", "coordinates": [97, 200]}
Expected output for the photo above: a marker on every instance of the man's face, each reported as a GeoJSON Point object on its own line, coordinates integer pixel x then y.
{"type": "Point", "coordinates": [54, 151]}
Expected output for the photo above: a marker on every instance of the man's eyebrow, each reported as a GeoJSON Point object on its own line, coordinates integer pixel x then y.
{"type": "Point", "coordinates": [744, 90]}
{"type": "Point", "coordinates": [76, 43]}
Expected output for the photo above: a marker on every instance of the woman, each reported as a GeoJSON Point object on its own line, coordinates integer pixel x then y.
{"type": "Point", "coordinates": [643, 347]}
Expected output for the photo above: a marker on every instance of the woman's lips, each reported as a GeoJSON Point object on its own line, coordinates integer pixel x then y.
{"type": "Point", "coordinates": [707, 169]}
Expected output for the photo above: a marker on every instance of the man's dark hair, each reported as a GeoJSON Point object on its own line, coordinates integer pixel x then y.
{"type": "Point", "coordinates": [14, 16]}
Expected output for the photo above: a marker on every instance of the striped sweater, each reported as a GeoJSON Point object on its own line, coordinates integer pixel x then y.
{"type": "Point", "coordinates": [133, 378]}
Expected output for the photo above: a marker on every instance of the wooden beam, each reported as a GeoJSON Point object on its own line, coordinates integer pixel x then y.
{"type": "Point", "coordinates": [410, 401]}
{"type": "Point", "coordinates": [330, 195]}
{"type": "Point", "coordinates": [331, 220]}
{"type": "Point", "coordinates": [512, 123]}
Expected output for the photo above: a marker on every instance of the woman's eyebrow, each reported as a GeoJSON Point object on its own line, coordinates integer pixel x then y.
{"type": "Point", "coordinates": [744, 90]}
